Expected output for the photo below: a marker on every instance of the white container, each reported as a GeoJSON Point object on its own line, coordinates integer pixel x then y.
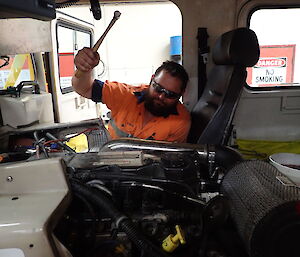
{"type": "Point", "coordinates": [27, 109]}
{"type": "Point", "coordinates": [282, 161]}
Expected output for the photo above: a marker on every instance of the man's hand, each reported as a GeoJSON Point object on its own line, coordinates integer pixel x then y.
{"type": "Point", "coordinates": [86, 59]}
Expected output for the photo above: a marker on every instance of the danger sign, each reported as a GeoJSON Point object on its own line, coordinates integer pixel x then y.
{"type": "Point", "coordinates": [270, 71]}
{"type": "Point", "coordinates": [275, 66]}
{"type": "Point", "coordinates": [271, 62]}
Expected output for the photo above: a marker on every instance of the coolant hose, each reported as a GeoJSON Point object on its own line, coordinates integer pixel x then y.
{"type": "Point", "coordinates": [227, 156]}
{"type": "Point", "coordinates": [122, 222]}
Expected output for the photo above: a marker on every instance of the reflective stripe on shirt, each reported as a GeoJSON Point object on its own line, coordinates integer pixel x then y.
{"type": "Point", "coordinates": [119, 132]}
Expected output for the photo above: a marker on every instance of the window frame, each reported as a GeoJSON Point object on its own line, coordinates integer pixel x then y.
{"type": "Point", "coordinates": [75, 28]}
{"type": "Point", "coordinates": [270, 88]}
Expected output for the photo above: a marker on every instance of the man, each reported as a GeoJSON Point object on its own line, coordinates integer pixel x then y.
{"type": "Point", "coordinates": [147, 111]}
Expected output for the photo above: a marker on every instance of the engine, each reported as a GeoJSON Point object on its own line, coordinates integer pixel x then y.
{"type": "Point", "coordinates": [155, 201]}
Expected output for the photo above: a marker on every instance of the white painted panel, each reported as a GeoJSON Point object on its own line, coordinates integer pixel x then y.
{"type": "Point", "coordinates": [11, 252]}
{"type": "Point", "coordinates": [21, 36]}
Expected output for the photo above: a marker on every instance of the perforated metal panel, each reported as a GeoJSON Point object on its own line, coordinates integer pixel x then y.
{"type": "Point", "coordinates": [266, 212]}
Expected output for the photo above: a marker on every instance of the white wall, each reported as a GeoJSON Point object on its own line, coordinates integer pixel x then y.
{"type": "Point", "coordinates": [139, 41]}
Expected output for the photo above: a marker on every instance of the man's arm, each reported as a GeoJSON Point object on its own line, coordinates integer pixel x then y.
{"type": "Point", "coordinates": [85, 61]}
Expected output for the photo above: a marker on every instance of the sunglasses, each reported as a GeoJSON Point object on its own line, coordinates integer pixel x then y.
{"type": "Point", "coordinates": [159, 89]}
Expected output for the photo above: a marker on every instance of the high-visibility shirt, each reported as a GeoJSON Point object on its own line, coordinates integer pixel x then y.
{"type": "Point", "coordinates": [127, 107]}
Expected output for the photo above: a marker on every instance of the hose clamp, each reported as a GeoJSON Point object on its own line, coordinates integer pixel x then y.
{"type": "Point", "coordinates": [119, 220]}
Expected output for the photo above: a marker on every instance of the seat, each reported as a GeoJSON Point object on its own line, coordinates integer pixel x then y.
{"type": "Point", "coordinates": [233, 52]}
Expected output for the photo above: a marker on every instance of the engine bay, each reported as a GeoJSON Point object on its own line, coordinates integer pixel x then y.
{"type": "Point", "coordinates": [133, 197]}
{"type": "Point", "coordinates": [163, 202]}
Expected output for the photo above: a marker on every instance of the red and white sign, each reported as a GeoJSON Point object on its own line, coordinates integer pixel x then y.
{"type": "Point", "coordinates": [275, 66]}
{"type": "Point", "coordinates": [66, 69]}
{"type": "Point", "coordinates": [271, 62]}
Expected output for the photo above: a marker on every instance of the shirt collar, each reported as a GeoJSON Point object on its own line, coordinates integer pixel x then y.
{"type": "Point", "coordinates": [140, 95]}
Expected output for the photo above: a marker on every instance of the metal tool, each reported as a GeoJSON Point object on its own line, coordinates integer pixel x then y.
{"type": "Point", "coordinates": [95, 48]}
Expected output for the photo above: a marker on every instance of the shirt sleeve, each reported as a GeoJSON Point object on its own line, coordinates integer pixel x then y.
{"type": "Point", "coordinates": [115, 95]}
{"type": "Point", "coordinates": [97, 90]}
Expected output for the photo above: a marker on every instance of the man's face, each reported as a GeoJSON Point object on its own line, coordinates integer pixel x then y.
{"type": "Point", "coordinates": [163, 94]}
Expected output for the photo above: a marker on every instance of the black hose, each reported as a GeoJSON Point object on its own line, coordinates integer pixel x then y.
{"type": "Point", "coordinates": [90, 211]}
{"type": "Point", "coordinates": [140, 241]}
{"type": "Point", "coordinates": [227, 156]}
{"type": "Point", "coordinates": [97, 198]}
{"type": "Point", "coordinates": [122, 222]}
{"type": "Point", "coordinates": [103, 174]}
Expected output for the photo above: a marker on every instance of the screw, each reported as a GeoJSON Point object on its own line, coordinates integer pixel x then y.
{"type": "Point", "coordinates": [9, 179]}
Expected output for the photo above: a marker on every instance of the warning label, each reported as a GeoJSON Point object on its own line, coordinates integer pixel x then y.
{"type": "Point", "coordinates": [270, 71]}
{"type": "Point", "coordinates": [275, 66]}
{"type": "Point", "coordinates": [271, 62]}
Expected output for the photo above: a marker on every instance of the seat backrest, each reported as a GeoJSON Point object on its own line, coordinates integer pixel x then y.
{"type": "Point", "coordinates": [233, 52]}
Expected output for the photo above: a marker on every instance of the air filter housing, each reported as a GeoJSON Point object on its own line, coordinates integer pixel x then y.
{"type": "Point", "coordinates": [266, 210]}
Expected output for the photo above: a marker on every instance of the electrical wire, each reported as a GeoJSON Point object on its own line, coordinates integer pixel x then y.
{"type": "Point", "coordinates": [6, 60]}
{"type": "Point", "coordinates": [65, 139]}
{"type": "Point", "coordinates": [39, 142]}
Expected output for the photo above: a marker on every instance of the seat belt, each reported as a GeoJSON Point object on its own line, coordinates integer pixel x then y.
{"type": "Point", "coordinates": [203, 50]}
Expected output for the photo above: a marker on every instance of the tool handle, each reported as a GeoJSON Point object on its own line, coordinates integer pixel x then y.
{"type": "Point", "coordinates": [117, 14]}
{"type": "Point", "coordinates": [100, 40]}
{"type": "Point", "coordinates": [95, 48]}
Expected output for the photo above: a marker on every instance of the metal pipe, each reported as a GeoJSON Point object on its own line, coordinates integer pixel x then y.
{"type": "Point", "coordinates": [211, 154]}
{"type": "Point", "coordinates": [140, 144]}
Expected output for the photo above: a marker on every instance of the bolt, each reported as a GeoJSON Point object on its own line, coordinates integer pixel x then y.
{"type": "Point", "coordinates": [9, 179]}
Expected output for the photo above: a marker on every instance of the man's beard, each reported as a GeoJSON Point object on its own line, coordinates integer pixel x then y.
{"type": "Point", "coordinates": [158, 110]}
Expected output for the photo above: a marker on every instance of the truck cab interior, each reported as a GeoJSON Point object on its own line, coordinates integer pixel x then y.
{"type": "Point", "coordinates": [231, 191]}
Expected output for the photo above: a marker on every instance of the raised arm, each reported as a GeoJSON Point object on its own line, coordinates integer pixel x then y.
{"type": "Point", "coordinates": [85, 61]}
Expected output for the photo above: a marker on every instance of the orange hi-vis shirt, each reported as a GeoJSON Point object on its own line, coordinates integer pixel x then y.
{"type": "Point", "coordinates": [127, 112]}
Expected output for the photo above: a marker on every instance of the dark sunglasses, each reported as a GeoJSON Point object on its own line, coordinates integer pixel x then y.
{"type": "Point", "coordinates": [168, 94]}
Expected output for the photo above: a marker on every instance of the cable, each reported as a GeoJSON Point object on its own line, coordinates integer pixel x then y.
{"type": "Point", "coordinates": [82, 132]}
{"type": "Point", "coordinates": [156, 188]}
{"type": "Point", "coordinates": [40, 144]}
{"type": "Point", "coordinates": [60, 143]}
{"type": "Point", "coordinates": [6, 60]}
{"type": "Point", "coordinates": [98, 173]}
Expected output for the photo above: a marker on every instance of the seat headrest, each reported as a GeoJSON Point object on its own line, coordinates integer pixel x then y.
{"type": "Point", "coordinates": [237, 47]}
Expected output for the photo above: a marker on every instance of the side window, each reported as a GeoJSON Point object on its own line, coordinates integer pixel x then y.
{"type": "Point", "coordinates": [14, 69]}
{"type": "Point", "coordinates": [70, 40]}
{"type": "Point", "coordinates": [279, 59]}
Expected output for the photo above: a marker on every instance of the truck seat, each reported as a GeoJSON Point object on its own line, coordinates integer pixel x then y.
{"type": "Point", "coordinates": [233, 52]}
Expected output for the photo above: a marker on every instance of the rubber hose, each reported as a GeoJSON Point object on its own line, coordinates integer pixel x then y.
{"type": "Point", "coordinates": [100, 201]}
{"type": "Point", "coordinates": [140, 241]}
{"type": "Point", "coordinates": [124, 223]}
{"type": "Point", "coordinates": [227, 156]}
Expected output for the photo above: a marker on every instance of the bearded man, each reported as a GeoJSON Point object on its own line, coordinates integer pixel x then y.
{"type": "Point", "coordinates": [147, 111]}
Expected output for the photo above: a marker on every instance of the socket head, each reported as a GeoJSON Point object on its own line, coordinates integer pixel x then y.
{"type": "Point", "coordinates": [117, 15]}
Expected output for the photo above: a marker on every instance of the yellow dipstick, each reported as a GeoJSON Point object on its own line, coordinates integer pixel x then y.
{"type": "Point", "coordinates": [172, 242]}
{"type": "Point", "coordinates": [120, 249]}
